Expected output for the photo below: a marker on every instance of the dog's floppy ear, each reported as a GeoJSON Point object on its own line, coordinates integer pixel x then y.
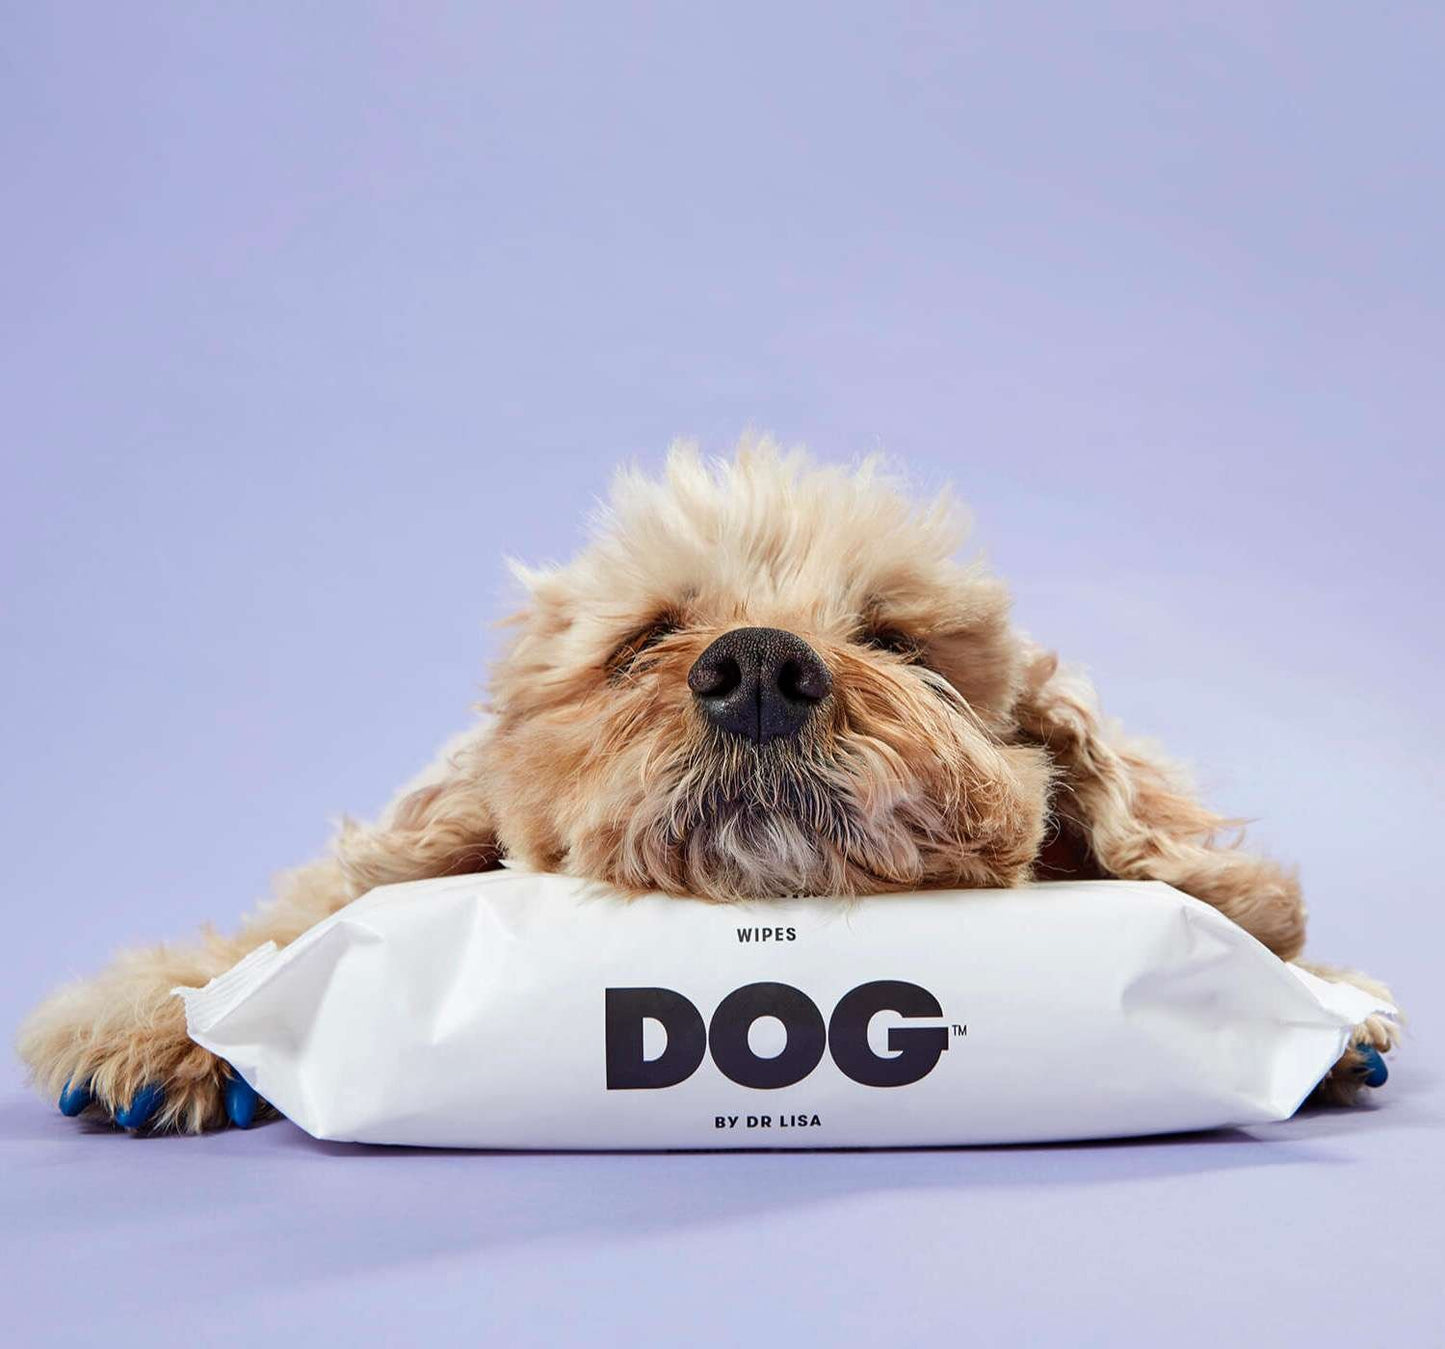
{"type": "Point", "coordinates": [442, 825]}
{"type": "Point", "coordinates": [1120, 810]}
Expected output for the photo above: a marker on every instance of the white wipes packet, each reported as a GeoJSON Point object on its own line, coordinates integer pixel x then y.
{"type": "Point", "coordinates": [522, 1010]}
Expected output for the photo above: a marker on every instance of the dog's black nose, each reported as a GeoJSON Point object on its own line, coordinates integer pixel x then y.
{"type": "Point", "coordinates": [759, 683]}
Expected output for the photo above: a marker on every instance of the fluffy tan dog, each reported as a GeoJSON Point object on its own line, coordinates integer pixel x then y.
{"type": "Point", "coordinates": [763, 677]}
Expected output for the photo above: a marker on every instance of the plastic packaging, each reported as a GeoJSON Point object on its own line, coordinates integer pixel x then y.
{"type": "Point", "coordinates": [519, 1010]}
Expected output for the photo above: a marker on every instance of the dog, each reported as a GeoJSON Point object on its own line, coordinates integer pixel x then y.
{"type": "Point", "coordinates": [763, 677]}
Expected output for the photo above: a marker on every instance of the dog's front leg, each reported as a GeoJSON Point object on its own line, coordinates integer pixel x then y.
{"type": "Point", "coordinates": [117, 1043]}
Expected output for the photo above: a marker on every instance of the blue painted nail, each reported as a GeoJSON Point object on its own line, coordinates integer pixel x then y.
{"type": "Point", "coordinates": [241, 1103]}
{"type": "Point", "coordinates": [144, 1104]}
{"type": "Point", "coordinates": [75, 1098]}
{"type": "Point", "coordinates": [1373, 1067]}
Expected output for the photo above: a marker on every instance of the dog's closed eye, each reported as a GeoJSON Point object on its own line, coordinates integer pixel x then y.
{"type": "Point", "coordinates": [641, 639]}
{"type": "Point", "coordinates": [893, 640]}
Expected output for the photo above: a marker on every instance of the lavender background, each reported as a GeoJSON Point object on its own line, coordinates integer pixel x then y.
{"type": "Point", "coordinates": [314, 312]}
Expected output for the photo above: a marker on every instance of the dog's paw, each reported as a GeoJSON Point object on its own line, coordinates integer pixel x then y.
{"type": "Point", "coordinates": [148, 1106]}
{"type": "Point", "coordinates": [116, 1046]}
{"type": "Point", "coordinates": [1362, 1066]}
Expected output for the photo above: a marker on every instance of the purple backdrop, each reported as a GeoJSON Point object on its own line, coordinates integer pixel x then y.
{"type": "Point", "coordinates": [313, 313]}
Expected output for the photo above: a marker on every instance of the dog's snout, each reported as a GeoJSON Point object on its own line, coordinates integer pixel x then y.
{"type": "Point", "coordinates": [759, 683]}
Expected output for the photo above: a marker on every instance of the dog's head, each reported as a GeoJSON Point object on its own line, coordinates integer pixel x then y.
{"type": "Point", "coordinates": [763, 677]}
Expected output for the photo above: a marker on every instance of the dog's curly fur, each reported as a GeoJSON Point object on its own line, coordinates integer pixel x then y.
{"type": "Point", "coordinates": [951, 751]}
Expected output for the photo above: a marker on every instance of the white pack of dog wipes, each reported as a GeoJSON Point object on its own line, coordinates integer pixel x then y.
{"type": "Point", "coordinates": [521, 1010]}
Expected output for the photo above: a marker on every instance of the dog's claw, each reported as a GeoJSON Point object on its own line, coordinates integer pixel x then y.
{"type": "Point", "coordinates": [1373, 1070]}
{"type": "Point", "coordinates": [75, 1098]}
{"type": "Point", "coordinates": [241, 1103]}
{"type": "Point", "coordinates": [143, 1105]}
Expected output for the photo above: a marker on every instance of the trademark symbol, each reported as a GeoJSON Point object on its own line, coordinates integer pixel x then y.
{"type": "Point", "coordinates": [959, 1030]}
